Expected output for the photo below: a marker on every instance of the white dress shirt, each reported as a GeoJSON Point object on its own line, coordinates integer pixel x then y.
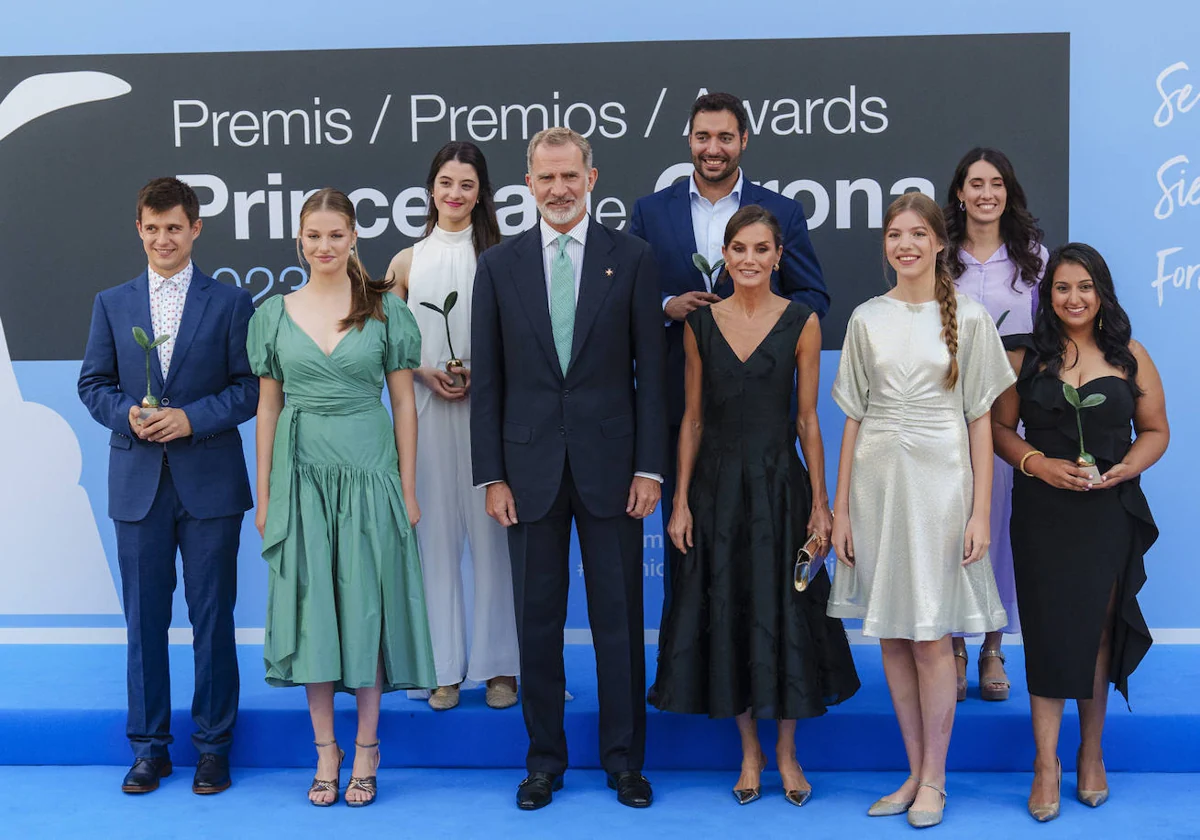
{"type": "Point", "coordinates": [167, 296]}
{"type": "Point", "coordinates": [575, 246]}
{"type": "Point", "coordinates": [709, 220]}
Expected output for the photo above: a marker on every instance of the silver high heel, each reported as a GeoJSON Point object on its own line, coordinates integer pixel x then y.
{"type": "Point", "coordinates": [890, 807]}
{"type": "Point", "coordinates": [927, 819]}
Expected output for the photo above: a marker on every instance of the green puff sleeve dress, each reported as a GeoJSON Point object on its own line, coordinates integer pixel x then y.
{"type": "Point", "coordinates": [344, 583]}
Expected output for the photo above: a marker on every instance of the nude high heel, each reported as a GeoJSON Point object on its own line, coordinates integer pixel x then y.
{"type": "Point", "coordinates": [1046, 811]}
{"type": "Point", "coordinates": [1091, 798]}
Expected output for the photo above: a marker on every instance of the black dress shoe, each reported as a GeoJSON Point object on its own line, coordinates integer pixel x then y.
{"type": "Point", "coordinates": [143, 776]}
{"type": "Point", "coordinates": [537, 790]}
{"type": "Point", "coordinates": [212, 774]}
{"type": "Point", "coordinates": [633, 789]}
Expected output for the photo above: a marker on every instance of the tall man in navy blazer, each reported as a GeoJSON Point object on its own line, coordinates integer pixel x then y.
{"type": "Point", "coordinates": [568, 423]}
{"type": "Point", "coordinates": [688, 218]}
{"type": "Point", "coordinates": [176, 482]}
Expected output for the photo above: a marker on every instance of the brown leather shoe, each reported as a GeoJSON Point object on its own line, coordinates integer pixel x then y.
{"type": "Point", "coordinates": [145, 773]}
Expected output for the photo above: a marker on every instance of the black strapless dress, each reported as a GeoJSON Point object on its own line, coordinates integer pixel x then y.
{"type": "Point", "coordinates": [1072, 549]}
{"type": "Point", "coordinates": [738, 636]}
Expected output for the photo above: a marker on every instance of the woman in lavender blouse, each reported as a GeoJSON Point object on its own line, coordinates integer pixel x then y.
{"type": "Point", "coordinates": [996, 256]}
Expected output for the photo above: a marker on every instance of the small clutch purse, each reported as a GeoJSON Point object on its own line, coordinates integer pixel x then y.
{"type": "Point", "coordinates": [802, 572]}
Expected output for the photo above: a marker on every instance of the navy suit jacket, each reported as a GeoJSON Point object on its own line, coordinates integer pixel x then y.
{"type": "Point", "coordinates": [527, 416]}
{"type": "Point", "coordinates": [664, 219]}
{"type": "Point", "coordinates": [209, 379]}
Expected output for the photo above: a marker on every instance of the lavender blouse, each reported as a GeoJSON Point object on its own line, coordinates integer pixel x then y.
{"type": "Point", "coordinates": [990, 283]}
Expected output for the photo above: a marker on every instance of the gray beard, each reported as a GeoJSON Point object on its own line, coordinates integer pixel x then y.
{"type": "Point", "coordinates": [561, 217]}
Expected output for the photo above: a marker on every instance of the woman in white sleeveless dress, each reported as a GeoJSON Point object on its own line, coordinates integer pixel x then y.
{"type": "Point", "coordinates": [461, 224]}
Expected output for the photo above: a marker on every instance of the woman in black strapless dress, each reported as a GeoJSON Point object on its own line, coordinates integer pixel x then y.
{"type": "Point", "coordinates": [739, 640]}
{"type": "Point", "coordinates": [1077, 545]}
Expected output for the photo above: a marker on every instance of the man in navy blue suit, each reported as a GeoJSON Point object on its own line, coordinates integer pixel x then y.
{"type": "Point", "coordinates": [568, 424]}
{"type": "Point", "coordinates": [177, 480]}
{"type": "Point", "coordinates": [689, 218]}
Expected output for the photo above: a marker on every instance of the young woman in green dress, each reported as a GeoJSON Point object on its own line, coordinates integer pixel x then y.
{"type": "Point", "coordinates": [336, 492]}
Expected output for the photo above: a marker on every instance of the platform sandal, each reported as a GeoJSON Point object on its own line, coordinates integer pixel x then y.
{"type": "Point", "coordinates": [993, 689]}
{"type": "Point", "coordinates": [364, 783]}
{"type": "Point", "coordinates": [327, 785]}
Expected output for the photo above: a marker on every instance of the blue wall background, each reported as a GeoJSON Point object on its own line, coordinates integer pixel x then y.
{"type": "Point", "coordinates": [1117, 149]}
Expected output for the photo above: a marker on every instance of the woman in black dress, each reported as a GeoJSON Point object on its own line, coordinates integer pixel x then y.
{"type": "Point", "coordinates": [1078, 539]}
{"type": "Point", "coordinates": [739, 640]}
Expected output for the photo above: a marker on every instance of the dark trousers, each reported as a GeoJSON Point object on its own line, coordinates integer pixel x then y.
{"type": "Point", "coordinates": [612, 574]}
{"type": "Point", "coordinates": [146, 550]}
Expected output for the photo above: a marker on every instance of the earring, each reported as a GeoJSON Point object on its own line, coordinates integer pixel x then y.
{"type": "Point", "coordinates": [1100, 323]}
{"type": "Point", "coordinates": [776, 266]}
{"type": "Point", "coordinates": [961, 205]}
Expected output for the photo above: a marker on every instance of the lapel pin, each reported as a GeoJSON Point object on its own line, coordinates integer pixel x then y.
{"type": "Point", "coordinates": [608, 272]}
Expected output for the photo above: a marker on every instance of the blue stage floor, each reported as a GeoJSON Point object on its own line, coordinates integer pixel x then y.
{"type": "Point", "coordinates": [86, 802]}
{"type": "Point", "coordinates": [65, 705]}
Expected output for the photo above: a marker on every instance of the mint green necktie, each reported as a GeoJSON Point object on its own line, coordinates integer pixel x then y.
{"type": "Point", "coordinates": [562, 302]}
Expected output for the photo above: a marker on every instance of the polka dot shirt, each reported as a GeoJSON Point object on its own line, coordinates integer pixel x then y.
{"type": "Point", "coordinates": [167, 295]}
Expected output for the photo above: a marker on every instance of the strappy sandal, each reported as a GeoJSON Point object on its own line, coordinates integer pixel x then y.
{"type": "Point", "coordinates": [364, 783]}
{"type": "Point", "coordinates": [328, 785]}
{"type": "Point", "coordinates": [960, 684]}
{"type": "Point", "coordinates": [994, 689]}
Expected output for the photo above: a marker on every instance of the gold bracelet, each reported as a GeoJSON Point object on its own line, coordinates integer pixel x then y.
{"type": "Point", "coordinates": [1026, 457]}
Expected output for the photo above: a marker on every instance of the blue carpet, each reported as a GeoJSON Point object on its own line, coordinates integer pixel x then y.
{"type": "Point", "coordinates": [65, 705]}
{"type": "Point", "coordinates": [85, 802]}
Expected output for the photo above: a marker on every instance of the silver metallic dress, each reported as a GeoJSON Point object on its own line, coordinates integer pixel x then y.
{"type": "Point", "coordinates": [911, 481]}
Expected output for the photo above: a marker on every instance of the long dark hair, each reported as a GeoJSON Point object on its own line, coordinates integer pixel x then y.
{"type": "Point", "coordinates": [1018, 228]}
{"type": "Point", "coordinates": [1111, 328]}
{"type": "Point", "coordinates": [943, 283]}
{"type": "Point", "coordinates": [485, 230]}
{"type": "Point", "coordinates": [366, 295]}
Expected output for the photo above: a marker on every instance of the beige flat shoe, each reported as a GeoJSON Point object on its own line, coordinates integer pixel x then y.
{"type": "Point", "coordinates": [927, 819]}
{"type": "Point", "coordinates": [500, 694]}
{"type": "Point", "coordinates": [443, 698]}
{"type": "Point", "coordinates": [890, 807]}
